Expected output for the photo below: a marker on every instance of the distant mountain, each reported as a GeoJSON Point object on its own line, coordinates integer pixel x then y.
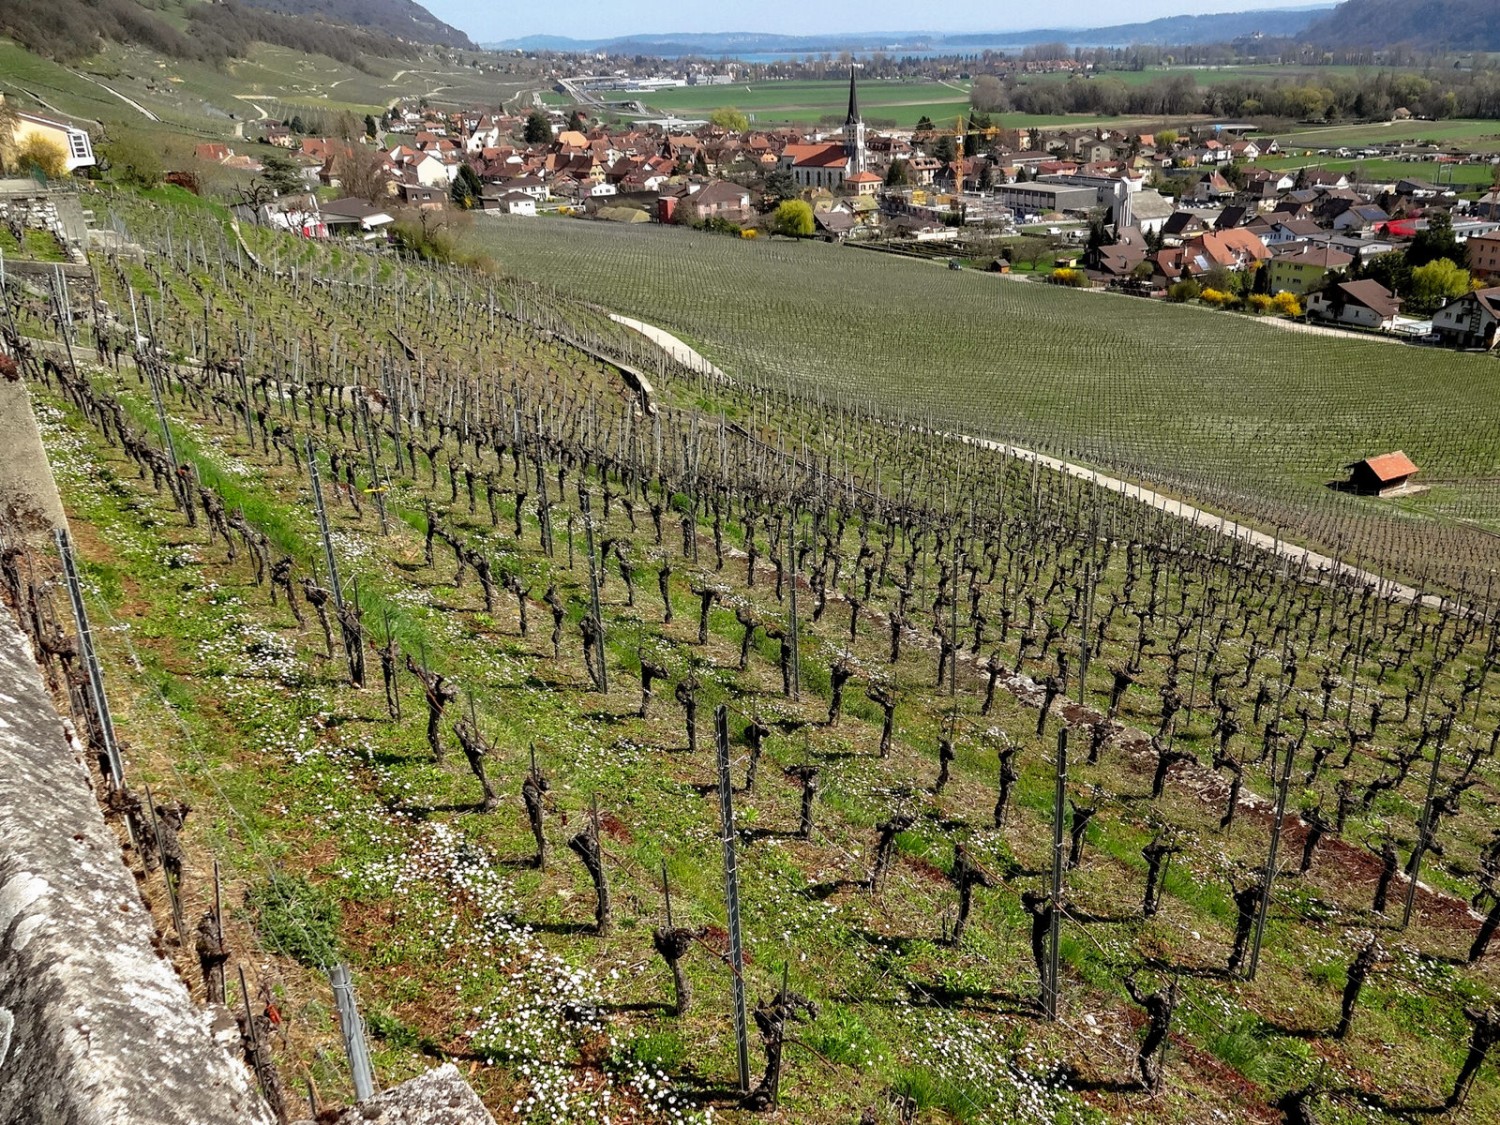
{"type": "Point", "coordinates": [401, 19]}
{"type": "Point", "coordinates": [1170, 30]}
{"type": "Point", "coordinates": [1287, 22]}
{"type": "Point", "coordinates": [1433, 25]}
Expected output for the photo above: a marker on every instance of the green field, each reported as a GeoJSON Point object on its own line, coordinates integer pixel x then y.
{"type": "Point", "coordinates": [1234, 412]}
{"type": "Point", "coordinates": [807, 101]}
{"type": "Point", "coordinates": [1464, 177]}
{"type": "Point", "coordinates": [1484, 135]}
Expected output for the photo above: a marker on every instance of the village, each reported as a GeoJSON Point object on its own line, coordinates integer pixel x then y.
{"type": "Point", "coordinates": [1177, 214]}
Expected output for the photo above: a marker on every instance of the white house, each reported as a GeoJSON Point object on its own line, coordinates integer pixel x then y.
{"type": "Point", "coordinates": [430, 171]}
{"type": "Point", "coordinates": [73, 141]}
{"type": "Point", "coordinates": [1471, 321]}
{"type": "Point", "coordinates": [1364, 304]}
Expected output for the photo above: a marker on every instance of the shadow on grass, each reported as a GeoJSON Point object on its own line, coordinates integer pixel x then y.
{"type": "Point", "coordinates": [822, 892]}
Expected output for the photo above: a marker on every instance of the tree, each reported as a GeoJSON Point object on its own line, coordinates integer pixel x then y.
{"type": "Point", "coordinates": [944, 150]}
{"type": "Point", "coordinates": [781, 185]}
{"type": "Point", "coordinates": [700, 164]}
{"type": "Point", "coordinates": [896, 174]}
{"type": "Point", "coordinates": [361, 173]}
{"type": "Point", "coordinates": [575, 122]}
{"type": "Point", "coordinates": [987, 95]}
{"type": "Point", "coordinates": [924, 125]}
{"type": "Point", "coordinates": [1165, 139]}
{"type": "Point", "coordinates": [466, 188]}
{"type": "Point", "coordinates": [346, 126]}
{"type": "Point", "coordinates": [280, 174]}
{"type": "Point", "coordinates": [794, 217]}
{"type": "Point", "coordinates": [1436, 283]}
{"type": "Point", "coordinates": [133, 161]}
{"type": "Point", "coordinates": [538, 128]}
{"type": "Point", "coordinates": [41, 154]}
{"type": "Point", "coordinates": [296, 124]}
{"type": "Point", "coordinates": [729, 119]}
{"type": "Point", "coordinates": [372, 129]}
{"type": "Point", "coordinates": [1390, 269]}
{"type": "Point", "coordinates": [1435, 242]}
{"type": "Point", "coordinates": [986, 176]}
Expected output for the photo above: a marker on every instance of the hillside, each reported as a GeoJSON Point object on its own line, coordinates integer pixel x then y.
{"type": "Point", "coordinates": [1437, 25]}
{"type": "Point", "coordinates": [403, 19]}
{"type": "Point", "coordinates": [72, 30]}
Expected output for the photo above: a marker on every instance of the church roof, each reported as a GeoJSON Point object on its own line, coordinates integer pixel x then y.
{"type": "Point", "coordinates": [853, 99]}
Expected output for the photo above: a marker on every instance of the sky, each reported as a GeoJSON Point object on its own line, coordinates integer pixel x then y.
{"type": "Point", "coordinates": [487, 22]}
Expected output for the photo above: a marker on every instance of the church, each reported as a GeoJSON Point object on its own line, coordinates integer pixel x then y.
{"type": "Point", "coordinates": [831, 164]}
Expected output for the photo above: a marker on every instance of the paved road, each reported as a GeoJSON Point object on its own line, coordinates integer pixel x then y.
{"type": "Point", "coordinates": [1169, 505]}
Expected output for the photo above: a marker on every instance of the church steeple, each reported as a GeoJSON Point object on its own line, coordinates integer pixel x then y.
{"type": "Point", "coordinates": [854, 129]}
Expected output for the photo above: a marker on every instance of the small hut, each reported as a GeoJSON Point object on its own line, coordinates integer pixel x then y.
{"type": "Point", "coordinates": [1383, 475]}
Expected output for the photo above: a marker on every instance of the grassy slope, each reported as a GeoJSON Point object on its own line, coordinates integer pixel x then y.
{"type": "Point", "coordinates": [1207, 403]}
{"type": "Point", "coordinates": [288, 767]}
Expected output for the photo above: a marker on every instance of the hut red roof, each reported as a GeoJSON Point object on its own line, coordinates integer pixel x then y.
{"type": "Point", "coordinates": [1390, 466]}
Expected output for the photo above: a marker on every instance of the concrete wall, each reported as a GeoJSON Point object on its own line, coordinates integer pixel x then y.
{"type": "Point", "coordinates": [95, 1027]}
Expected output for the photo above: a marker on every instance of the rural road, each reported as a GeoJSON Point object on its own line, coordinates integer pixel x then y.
{"type": "Point", "coordinates": [253, 104]}
{"type": "Point", "coordinates": [1168, 505]}
{"type": "Point", "coordinates": [131, 102]}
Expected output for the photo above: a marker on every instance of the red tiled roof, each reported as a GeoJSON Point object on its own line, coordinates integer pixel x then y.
{"type": "Point", "coordinates": [1390, 466]}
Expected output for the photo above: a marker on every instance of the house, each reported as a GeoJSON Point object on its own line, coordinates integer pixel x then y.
{"type": "Point", "coordinates": [422, 196]}
{"type": "Point", "coordinates": [528, 185]}
{"type": "Point", "coordinates": [280, 136]}
{"type": "Point", "coordinates": [509, 203]}
{"type": "Point", "coordinates": [74, 142]}
{"type": "Point", "coordinates": [1321, 178]}
{"type": "Point", "coordinates": [1382, 476]}
{"type": "Point", "coordinates": [1360, 217]}
{"type": "Point", "coordinates": [342, 215]}
{"type": "Point", "coordinates": [722, 200]}
{"type": "Point", "coordinates": [1236, 249]}
{"type": "Point", "coordinates": [213, 152]}
{"type": "Point", "coordinates": [430, 170]}
{"type": "Point", "coordinates": [864, 183]}
{"type": "Point", "coordinates": [1364, 304]}
{"type": "Point", "coordinates": [1484, 255]}
{"type": "Point", "coordinates": [1212, 186]}
{"type": "Point", "coordinates": [1149, 210]}
{"type": "Point", "coordinates": [1181, 225]}
{"type": "Point", "coordinates": [1232, 216]}
{"type": "Point", "coordinates": [1302, 267]}
{"type": "Point", "coordinates": [1471, 320]}
{"type": "Point", "coordinates": [833, 226]}
{"type": "Point", "coordinates": [1488, 206]}
{"type": "Point", "coordinates": [1281, 232]}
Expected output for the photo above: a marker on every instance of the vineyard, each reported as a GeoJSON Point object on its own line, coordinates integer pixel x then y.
{"type": "Point", "coordinates": [474, 643]}
{"type": "Point", "coordinates": [1244, 417]}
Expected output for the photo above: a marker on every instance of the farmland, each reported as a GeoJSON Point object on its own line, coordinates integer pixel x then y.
{"type": "Point", "coordinates": [1238, 414]}
{"type": "Point", "coordinates": [882, 876]}
{"type": "Point", "coordinates": [807, 101]}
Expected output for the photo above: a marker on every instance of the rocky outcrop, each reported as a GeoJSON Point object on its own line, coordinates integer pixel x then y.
{"type": "Point", "coordinates": [439, 1097]}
